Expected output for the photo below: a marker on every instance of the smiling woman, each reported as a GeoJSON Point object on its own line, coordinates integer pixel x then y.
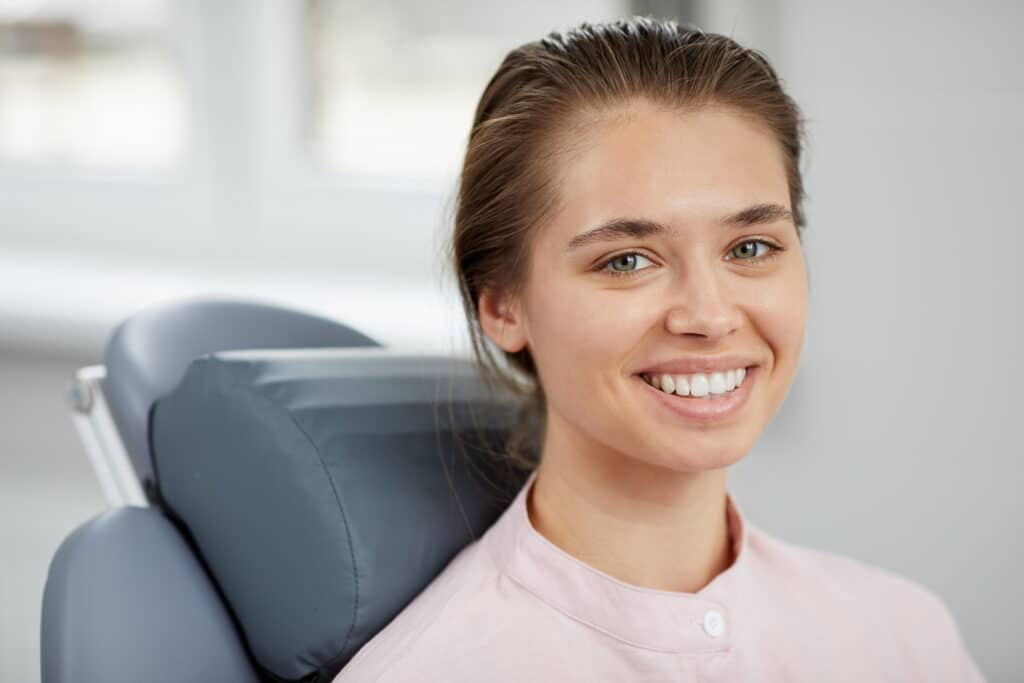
{"type": "Point", "coordinates": [628, 241]}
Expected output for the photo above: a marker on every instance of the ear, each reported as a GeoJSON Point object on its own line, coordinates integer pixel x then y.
{"type": "Point", "coordinates": [501, 319]}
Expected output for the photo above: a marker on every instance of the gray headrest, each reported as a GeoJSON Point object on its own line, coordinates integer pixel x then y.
{"type": "Point", "coordinates": [148, 353]}
{"type": "Point", "coordinates": [325, 488]}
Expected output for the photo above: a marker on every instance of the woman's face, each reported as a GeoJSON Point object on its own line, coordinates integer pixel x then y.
{"type": "Point", "coordinates": [706, 264]}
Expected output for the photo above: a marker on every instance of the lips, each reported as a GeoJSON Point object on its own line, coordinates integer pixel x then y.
{"type": "Point", "coordinates": [708, 410]}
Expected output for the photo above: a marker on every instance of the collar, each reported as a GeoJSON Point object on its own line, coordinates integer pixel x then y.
{"type": "Point", "coordinates": [666, 621]}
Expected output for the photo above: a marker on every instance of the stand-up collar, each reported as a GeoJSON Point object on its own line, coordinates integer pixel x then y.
{"type": "Point", "coordinates": [660, 620]}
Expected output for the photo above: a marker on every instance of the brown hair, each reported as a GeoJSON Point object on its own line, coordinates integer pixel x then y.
{"type": "Point", "coordinates": [536, 109]}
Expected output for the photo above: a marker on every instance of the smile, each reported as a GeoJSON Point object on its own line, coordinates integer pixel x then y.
{"type": "Point", "coordinates": [698, 384]}
{"type": "Point", "coordinates": [707, 396]}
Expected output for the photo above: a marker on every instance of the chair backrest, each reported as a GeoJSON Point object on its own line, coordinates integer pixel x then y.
{"type": "Point", "coordinates": [304, 497]}
{"type": "Point", "coordinates": [126, 599]}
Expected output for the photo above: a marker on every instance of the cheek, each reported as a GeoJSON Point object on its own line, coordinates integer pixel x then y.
{"type": "Point", "coordinates": [578, 329]}
{"type": "Point", "coordinates": [780, 313]}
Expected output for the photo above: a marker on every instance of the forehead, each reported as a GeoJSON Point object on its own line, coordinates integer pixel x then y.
{"type": "Point", "coordinates": [685, 169]}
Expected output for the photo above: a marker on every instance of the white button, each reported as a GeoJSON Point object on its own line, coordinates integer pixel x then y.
{"type": "Point", "coordinates": [714, 623]}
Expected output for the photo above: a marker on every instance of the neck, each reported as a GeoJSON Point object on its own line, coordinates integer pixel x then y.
{"type": "Point", "coordinates": [644, 525]}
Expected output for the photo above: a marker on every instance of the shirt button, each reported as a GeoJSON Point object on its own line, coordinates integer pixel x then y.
{"type": "Point", "coordinates": [714, 623]}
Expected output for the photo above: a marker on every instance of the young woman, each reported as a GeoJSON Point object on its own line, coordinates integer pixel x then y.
{"type": "Point", "coordinates": [628, 236]}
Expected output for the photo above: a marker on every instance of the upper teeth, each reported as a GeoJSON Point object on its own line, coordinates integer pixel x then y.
{"type": "Point", "coordinates": [698, 384]}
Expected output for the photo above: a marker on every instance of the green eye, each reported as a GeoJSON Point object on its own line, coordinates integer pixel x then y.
{"type": "Point", "coordinates": [625, 264]}
{"type": "Point", "coordinates": [749, 251]}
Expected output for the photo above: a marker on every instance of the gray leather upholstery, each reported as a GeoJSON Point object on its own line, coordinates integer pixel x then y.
{"type": "Point", "coordinates": [126, 600]}
{"type": "Point", "coordinates": [148, 354]}
{"type": "Point", "coordinates": [325, 488]}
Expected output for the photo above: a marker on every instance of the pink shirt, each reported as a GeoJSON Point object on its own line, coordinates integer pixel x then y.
{"type": "Point", "coordinates": [512, 606]}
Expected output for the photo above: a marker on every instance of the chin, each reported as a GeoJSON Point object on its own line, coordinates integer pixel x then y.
{"type": "Point", "coordinates": [705, 452]}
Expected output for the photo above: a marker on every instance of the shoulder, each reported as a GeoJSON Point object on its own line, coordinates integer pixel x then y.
{"type": "Point", "coordinates": [903, 612]}
{"type": "Point", "coordinates": [841, 577]}
{"type": "Point", "coordinates": [440, 628]}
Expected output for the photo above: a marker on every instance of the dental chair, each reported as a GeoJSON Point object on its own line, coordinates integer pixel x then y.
{"type": "Point", "coordinates": [280, 487]}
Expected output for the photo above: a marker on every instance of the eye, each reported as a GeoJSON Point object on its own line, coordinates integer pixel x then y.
{"type": "Point", "coordinates": [747, 251]}
{"type": "Point", "coordinates": [624, 265]}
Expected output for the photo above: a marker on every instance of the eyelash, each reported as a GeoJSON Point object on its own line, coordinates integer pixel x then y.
{"type": "Point", "coordinates": [775, 251]}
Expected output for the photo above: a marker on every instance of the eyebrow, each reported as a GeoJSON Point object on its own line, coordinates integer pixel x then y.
{"type": "Point", "coordinates": [636, 228]}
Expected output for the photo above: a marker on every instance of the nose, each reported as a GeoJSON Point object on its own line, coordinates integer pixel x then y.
{"type": "Point", "coordinates": [700, 306]}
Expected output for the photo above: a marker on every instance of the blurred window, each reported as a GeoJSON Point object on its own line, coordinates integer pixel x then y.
{"type": "Point", "coordinates": [90, 83]}
{"type": "Point", "coordinates": [394, 83]}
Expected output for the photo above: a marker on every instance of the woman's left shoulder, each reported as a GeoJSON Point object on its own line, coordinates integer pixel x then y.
{"type": "Point", "coordinates": [904, 611]}
{"type": "Point", "coordinates": [843, 576]}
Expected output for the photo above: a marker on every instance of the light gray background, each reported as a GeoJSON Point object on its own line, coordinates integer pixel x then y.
{"type": "Point", "coordinates": [899, 443]}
